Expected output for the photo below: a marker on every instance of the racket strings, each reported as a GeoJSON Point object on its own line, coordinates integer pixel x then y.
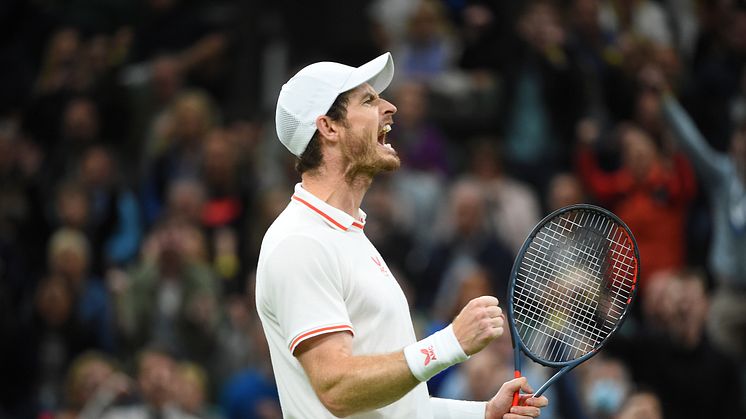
{"type": "Point", "coordinates": [587, 288]}
{"type": "Point", "coordinates": [557, 321]}
{"type": "Point", "coordinates": [573, 285]}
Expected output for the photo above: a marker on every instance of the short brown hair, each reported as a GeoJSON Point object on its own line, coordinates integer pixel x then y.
{"type": "Point", "coordinates": [311, 158]}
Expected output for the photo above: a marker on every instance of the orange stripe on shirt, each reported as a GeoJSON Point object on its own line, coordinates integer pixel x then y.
{"type": "Point", "coordinates": [321, 213]}
{"type": "Point", "coordinates": [319, 331]}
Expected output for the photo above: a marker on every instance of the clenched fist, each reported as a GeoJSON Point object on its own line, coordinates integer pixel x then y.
{"type": "Point", "coordinates": [478, 323]}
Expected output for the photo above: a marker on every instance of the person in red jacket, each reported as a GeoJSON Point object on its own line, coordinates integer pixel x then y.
{"type": "Point", "coordinates": [650, 191]}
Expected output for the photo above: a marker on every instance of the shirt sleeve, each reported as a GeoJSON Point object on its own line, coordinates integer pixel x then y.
{"type": "Point", "coordinates": [457, 409]}
{"type": "Point", "coordinates": [706, 160]}
{"type": "Point", "coordinates": [306, 290]}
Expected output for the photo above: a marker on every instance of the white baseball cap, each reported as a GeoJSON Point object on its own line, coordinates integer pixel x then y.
{"type": "Point", "coordinates": [312, 91]}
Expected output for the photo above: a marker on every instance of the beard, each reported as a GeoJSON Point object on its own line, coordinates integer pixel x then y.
{"type": "Point", "coordinates": [366, 158]}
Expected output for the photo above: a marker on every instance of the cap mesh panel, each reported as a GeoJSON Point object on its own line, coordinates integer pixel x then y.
{"type": "Point", "coordinates": [287, 125]}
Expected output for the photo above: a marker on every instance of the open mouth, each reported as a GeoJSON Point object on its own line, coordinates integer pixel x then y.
{"type": "Point", "coordinates": [382, 135]}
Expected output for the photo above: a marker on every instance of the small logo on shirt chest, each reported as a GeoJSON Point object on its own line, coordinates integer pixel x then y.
{"type": "Point", "coordinates": [380, 265]}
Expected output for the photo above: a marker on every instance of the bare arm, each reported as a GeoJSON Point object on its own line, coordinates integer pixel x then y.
{"type": "Point", "coordinates": [708, 162]}
{"type": "Point", "coordinates": [348, 384]}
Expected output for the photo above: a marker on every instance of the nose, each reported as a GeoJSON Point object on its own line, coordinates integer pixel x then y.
{"type": "Point", "coordinates": [388, 107]}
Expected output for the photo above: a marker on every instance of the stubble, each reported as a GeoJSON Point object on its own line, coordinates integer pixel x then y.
{"type": "Point", "coordinates": [363, 159]}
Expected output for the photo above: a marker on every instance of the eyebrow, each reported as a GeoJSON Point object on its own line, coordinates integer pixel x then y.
{"type": "Point", "coordinates": [368, 94]}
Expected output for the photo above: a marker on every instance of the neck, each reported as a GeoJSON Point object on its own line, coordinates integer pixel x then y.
{"type": "Point", "coordinates": [336, 190]}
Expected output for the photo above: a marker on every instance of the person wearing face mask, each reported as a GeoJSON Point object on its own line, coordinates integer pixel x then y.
{"type": "Point", "coordinates": [605, 388]}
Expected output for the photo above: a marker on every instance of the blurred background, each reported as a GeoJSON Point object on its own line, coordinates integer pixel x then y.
{"type": "Point", "coordinates": [139, 169]}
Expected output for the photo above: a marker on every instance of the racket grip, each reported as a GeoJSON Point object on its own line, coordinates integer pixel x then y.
{"type": "Point", "coordinates": [517, 394]}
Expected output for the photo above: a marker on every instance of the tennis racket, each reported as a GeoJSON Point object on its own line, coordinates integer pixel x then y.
{"type": "Point", "coordinates": [571, 287]}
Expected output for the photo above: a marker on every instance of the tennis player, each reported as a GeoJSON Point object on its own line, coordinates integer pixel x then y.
{"type": "Point", "coordinates": [338, 325]}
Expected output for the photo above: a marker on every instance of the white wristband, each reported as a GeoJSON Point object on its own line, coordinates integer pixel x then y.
{"type": "Point", "coordinates": [434, 354]}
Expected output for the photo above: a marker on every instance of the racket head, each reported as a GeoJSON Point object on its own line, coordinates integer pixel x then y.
{"type": "Point", "coordinates": [617, 271]}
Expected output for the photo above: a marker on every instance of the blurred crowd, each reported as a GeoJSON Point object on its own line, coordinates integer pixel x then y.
{"type": "Point", "coordinates": [139, 169]}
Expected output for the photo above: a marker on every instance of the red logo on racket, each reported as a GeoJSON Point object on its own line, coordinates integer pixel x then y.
{"type": "Point", "coordinates": [429, 354]}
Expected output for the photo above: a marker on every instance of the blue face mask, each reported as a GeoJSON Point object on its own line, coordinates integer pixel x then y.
{"type": "Point", "coordinates": [605, 396]}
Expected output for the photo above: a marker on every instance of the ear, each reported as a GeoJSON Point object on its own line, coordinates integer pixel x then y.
{"type": "Point", "coordinates": [328, 128]}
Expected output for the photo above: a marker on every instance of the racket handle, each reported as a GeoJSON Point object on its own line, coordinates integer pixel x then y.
{"type": "Point", "coordinates": [517, 394]}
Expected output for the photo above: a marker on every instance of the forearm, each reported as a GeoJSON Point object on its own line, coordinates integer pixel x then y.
{"type": "Point", "coordinates": [360, 383]}
{"type": "Point", "coordinates": [690, 138]}
{"type": "Point", "coordinates": [348, 384]}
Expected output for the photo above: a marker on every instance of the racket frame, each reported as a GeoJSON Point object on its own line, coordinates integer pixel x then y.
{"type": "Point", "coordinates": [564, 366]}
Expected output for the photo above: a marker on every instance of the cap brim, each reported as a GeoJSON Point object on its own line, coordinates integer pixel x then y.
{"type": "Point", "coordinates": [378, 73]}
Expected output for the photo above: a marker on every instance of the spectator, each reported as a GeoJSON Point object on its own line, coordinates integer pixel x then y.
{"type": "Point", "coordinates": [485, 28]}
{"type": "Point", "coordinates": [716, 70]}
{"type": "Point", "coordinates": [564, 189]}
{"type": "Point", "coordinates": [605, 386]}
{"type": "Point", "coordinates": [80, 130]}
{"type": "Point", "coordinates": [724, 178]}
{"type": "Point", "coordinates": [92, 385]}
{"type": "Point", "coordinates": [250, 394]}
{"type": "Point", "coordinates": [191, 391]}
{"type": "Point", "coordinates": [467, 240]}
{"type": "Point", "coordinates": [600, 60]}
{"type": "Point", "coordinates": [658, 359]}
{"type": "Point", "coordinates": [114, 220]}
{"type": "Point", "coordinates": [23, 227]}
{"type": "Point", "coordinates": [542, 97]}
{"type": "Point", "coordinates": [186, 199]}
{"type": "Point", "coordinates": [171, 297]}
{"type": "Point", "coordinates": [420, 142]}
{"type": "Point", "coordinates": [637, 18]}
{"type": "Point", "coordinates": [167, 26]}
{"type": "Point", "coordinates": [72, 206]}
{"type": "Point", "coordinates": [175, 148]}
{"type": "Point", "coordinates": [156, 375]}
{"type": "Point", "coordinates": [239, 341]}
{"type": "Point", "coordinates": [50, 343]}
{"type": "Point", "coordinates": [150, 97]}
{"type": "Point", "coordinates": [248, 389]}
{"type": "Point", "coordinates": [230, 196]}
{"type": "Point", "coordinates": [57, 71]}
{"type": "Point", "coordinates": [69, 260]}
{"type": "Point", "coordinates": [428, 50]}
{"type": "Point", "coordinates": [649, 192]}
{"type": "Point", "coordinates": [512, 207]}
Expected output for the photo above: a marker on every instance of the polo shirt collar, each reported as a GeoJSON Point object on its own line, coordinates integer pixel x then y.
{"type": "Point", "coordinates": [335, 217]}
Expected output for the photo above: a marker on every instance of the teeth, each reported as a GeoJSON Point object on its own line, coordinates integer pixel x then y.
{"type": "Point", "coordinates": [386, 128]}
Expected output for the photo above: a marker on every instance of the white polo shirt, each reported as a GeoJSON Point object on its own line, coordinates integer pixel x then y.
{"type": "Point", "coordinates": [318, 273]}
